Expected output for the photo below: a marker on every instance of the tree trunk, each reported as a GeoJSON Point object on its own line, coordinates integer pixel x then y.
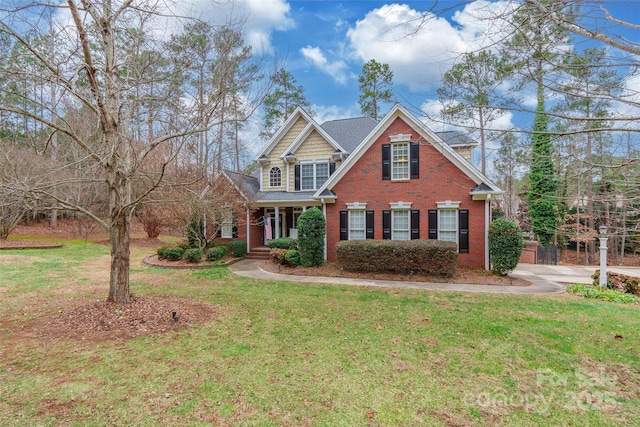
{"type": "Point", "coordinates": [120, 228]}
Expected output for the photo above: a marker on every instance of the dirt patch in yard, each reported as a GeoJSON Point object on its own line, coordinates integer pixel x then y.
{"type": "Point", "coordinates": [104, 321]}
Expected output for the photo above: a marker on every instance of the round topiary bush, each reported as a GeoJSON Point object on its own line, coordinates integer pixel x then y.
{"type": "Point", "coordinates": [505, 245]}
{"type": "Point", "coordinates": [215, 253]}
{"type": "Point", "coordinates": [174, 254]}
{"type": "Point", "coordinates": [311, 232]}
{"type": "Point", "coordinates": [292, 258]}
{"type": "Point", "coordinates": [238, 248]}
{"type": "Point", "coordinates": [193, 255]}
{"type": "Point", "coordinates": [162, 251]}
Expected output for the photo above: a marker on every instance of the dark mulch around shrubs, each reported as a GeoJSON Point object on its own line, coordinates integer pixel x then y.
{"type": "Point", "coordinates": [463, 275]}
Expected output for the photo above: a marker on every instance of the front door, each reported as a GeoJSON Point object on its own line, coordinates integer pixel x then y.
{"type": "Point", "coordinates": [270, 212]}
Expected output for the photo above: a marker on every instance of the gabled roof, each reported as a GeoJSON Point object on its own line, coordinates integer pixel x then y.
{"type": "Point", "coordinates": [426, 134]}
{"type": "Point", "coordinates": [455, 138]}
{"type": "Point", "coordinates": [291, 120]}
{"type": "Point", "coordinates": [349, 132]}
{"type": "Point", "coordinates": [310, 127]}
{"type": "Point", "coordinates": [247, 185]}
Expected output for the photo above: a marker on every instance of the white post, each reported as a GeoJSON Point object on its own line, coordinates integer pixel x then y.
{"type": "Point", "coordinates": [277, 220]}
{"type": "Point", "coordinates": [603, 256]}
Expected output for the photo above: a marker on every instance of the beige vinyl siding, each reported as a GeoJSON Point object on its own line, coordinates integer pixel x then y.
{"type": "Point", "coordinates": [314, 147]}
{"type": "Point", "coordinates": [278, 150]}
{"type": "Point", "coordinates": [464, 152]}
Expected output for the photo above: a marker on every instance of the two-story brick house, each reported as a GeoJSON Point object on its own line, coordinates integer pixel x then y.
{"type": "Point", "coordinates": [393, 179]}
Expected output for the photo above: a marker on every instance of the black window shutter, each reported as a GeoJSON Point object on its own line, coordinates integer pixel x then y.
{"type": "Point", "coordinates": [463, 231]}
{"type": "Point", "coordinates": [234, 230]}
{"type": "Point", "coordinates": [386, 161]}
{"type": "Point", "coordinates": [386, 225]}
{"type": "Point", "coordinates": [332, 168]}
{"type": "Point", "coordinates": [369, 224]}
{"type": "Point", "coordinates": [297, 177]}
{"type": "Point", "coordinates": [415, 225]}
{"type": "Point", "coordinates": [344, 225]}
{"type": "Point", "coordinates": [433, 224]}
{"type": "Point", "coordinates": [414, 155]}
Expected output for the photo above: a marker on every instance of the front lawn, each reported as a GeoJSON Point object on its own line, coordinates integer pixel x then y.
{"type": "Point", "coordinates": [280, 353]}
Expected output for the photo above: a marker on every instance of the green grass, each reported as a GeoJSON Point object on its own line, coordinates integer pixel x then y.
{"type": "Point", "coordinates": [282, 353]}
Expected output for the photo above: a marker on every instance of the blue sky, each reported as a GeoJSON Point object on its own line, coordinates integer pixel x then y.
{"type": "Point", "coordinates": [325, 43]}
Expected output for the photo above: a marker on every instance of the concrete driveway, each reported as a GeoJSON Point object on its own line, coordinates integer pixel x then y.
{"type": "Point", "coordinates": [545, 279]}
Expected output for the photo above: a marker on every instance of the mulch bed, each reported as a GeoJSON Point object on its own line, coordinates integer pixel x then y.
{"type": "Point", "coordinates": [464, 275]}
{"type": "Point", "coordinates": [105, 321]}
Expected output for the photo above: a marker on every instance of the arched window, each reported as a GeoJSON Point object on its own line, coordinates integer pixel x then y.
{"type": "Point", "coordinates": [275, 177]}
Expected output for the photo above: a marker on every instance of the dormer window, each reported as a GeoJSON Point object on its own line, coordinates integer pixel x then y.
{"type": "Point", "coordinates": [400, 159]}
{"type": "Point", "coordinates": [275, 177]}
{"type": "Point", "coordinates": [311, 174]}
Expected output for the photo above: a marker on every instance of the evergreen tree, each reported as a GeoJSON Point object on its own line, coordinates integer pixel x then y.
{"type": "Point", "coordinates": [469, 93]}
{"type": "Point", "coordinates": [286, 96]}
{"type": "Point", "coordinates": [375, 87]}
{"type": "Point", "coordinates": [543, 190]}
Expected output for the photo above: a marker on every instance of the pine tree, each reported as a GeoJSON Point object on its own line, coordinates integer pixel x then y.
{"type": "Point", "coordinates": [375, 87]}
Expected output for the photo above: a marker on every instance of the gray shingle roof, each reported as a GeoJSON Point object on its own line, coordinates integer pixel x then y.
{"type": "Point", "coordinates": [349, 133]}
{"type": "Point", "coordinates": [482, 188]}
{"type": "Point", "coordinates": [455, 137]}
{"type": "Point", "coordinates": [247, 183]}
{"type": "Point", "coordinates": [277, 196]}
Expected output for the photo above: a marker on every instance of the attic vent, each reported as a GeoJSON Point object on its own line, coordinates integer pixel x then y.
{"type": "Point", "coordinates": [401, 137]}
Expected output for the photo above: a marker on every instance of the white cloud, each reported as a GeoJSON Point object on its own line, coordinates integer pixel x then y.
{"type": "Point", "coordinates": [338, 70]}
{"type": "Point", "coordinates": [420, 46]}
{"type": "Point", "coordinates": [258, 18]}
{"type": "Point", "coordinates": [334, 112]}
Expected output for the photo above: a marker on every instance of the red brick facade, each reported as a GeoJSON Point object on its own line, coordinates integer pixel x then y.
{"type": "Point", "coordinates": [439, 180]}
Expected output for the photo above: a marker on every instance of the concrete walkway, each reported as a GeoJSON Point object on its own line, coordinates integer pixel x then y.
{"type": "Point", "coordinates": [545, 279]}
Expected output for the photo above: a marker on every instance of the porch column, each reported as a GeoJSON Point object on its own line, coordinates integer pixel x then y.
{"type": "Point", "coordinates": [277, 222]}
{"type": "Point", "coordinates": [248, 233]}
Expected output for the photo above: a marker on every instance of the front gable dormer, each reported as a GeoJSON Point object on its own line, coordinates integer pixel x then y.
{"type": "Point", "coordinates": [299, 157]}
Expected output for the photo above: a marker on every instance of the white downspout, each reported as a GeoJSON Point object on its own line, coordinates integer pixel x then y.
{"type": "Point", "coordinates": [324, 212]}
{"type": "Point", "coordinates": [487, 216]}
{"type": "Point", "coordinates": [248, 232]}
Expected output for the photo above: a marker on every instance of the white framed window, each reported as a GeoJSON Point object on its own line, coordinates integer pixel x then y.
{"type": "Point", "coordinates": [400, 224]}
{"type": "Point", "coordinates": [357, 224]}
{"type": "Point", "coordinates": [448, 222]}
{"type": "Point", "coordinates": [275, 177]}
{"type": "Point", "coordinates": [226, 231]}
{"type": "Point", "coordinates": [400, 161]}
{"type": "Point", "coordinates": [313, 175]}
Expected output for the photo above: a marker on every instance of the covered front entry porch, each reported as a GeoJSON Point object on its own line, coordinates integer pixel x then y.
{"type": "Point", "coordinates": [280, 221]}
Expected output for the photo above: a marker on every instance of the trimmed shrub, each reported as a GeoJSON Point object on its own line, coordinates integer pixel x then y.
{"type": "Point", "coordinates": [292, 258]}
{"type": "Point", "coordinates": [162, 251]}
{"type": "Point", "coordinates": [184, 245]}
{"type": "Point", "coordinates": [174, 254]}
{"type": "Point", "coordinates": [433, 257]}
{"type": "Point", "coordinates": [283, 243]}
{"type": "Point", "coordinates": [277, 255]}
{"type": "Point", "coordinates": [216, 253]}
{"type": "Point", "coordinates": [193, 255]}
{"type": "Point", "coordinates": [285, 256]}
{"type": "Point", "coordinates": [238, 248]}
{"type": "Point", "coordinates": [311, 232]}
{"type": "Point", "coordinates": [505, 245]}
